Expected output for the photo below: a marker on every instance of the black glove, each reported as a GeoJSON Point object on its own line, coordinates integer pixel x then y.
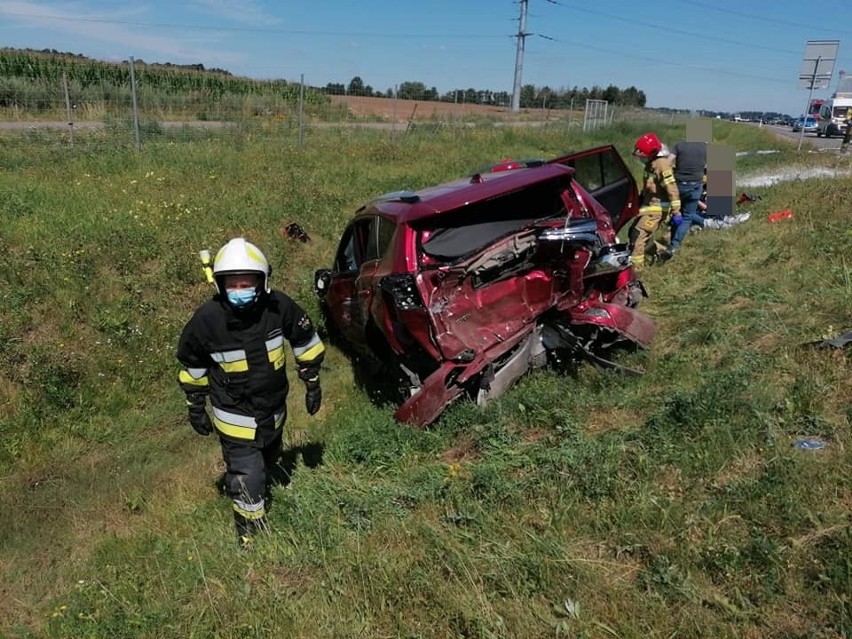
{"type": "Point", "coordinates": [313, 396]}
{"type": "Point", "coordinates": [200, 420]}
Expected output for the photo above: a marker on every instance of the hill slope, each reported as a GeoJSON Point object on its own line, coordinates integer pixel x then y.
{"type": "Point", "coordinates": [674, 504]}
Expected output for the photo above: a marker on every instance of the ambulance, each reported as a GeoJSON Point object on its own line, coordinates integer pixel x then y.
{"type": "Point", "coordinates": [831, 119]}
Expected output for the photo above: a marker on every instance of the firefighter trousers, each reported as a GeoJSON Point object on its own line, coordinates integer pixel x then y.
{"type": "Point", "coordinates": [644, 226]}
{"type": "Point", "coordinates": [249, 466]}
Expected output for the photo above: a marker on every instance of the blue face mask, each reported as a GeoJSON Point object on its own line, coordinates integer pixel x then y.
{"type": "Point", "coordinates": [242, 297]}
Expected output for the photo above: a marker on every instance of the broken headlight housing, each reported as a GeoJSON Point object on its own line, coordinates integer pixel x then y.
{"type": "Point", "coordinates": [402, 289]}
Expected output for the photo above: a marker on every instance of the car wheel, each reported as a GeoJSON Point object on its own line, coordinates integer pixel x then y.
{"type": "Point", "coordinates": [383, 374]}
{"type": "Point", "coordinates": [329, 329]}
{"type": "Point", "coordinates": [819, 133]}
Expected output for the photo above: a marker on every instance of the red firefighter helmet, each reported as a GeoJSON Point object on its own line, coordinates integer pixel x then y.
{"type": "Point", "coordinates": [647, 147]}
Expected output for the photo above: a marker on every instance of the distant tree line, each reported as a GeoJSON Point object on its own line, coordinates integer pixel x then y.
{"type": "Point", "coordinates": [531, 96]}
{"type": "Point", "coordinates": [31, 79]}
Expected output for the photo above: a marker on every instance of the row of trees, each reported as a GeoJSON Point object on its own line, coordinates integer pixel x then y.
{"type": "Point", "coordinates": [531, 96]}
{"type": "Point", "coordinates": [38, 73]}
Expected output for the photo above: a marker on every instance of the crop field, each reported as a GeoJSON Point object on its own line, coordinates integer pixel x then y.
{"type": "Point", "coordinates": [675, 504]}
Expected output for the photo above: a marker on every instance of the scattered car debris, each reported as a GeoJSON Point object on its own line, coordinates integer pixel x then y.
{"type": "Point", "coordinates": [777, 216]}
{"type": "Point", "coordinates": [296, 232]}
{"type": "Point", "coordinates": [748, 197]}
{"type": "Point", "coordinates": [810, 443]}
{"type": "Point", "coordinates": [841, 341]}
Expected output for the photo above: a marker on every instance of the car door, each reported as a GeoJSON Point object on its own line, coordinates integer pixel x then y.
{"type": "Point", "coordinates": [379, 239]}
{"type": "Point", "coordinates": [346, 300]}
{"type": "Point", "coordinates": [604, 175]}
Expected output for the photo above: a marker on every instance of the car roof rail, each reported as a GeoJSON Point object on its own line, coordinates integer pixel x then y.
{"type": "Point", "coordinates": [409, 197]}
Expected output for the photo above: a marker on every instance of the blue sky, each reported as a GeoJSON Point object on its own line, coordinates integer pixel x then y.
{"type": "Point", "coordinates": [703, 54]}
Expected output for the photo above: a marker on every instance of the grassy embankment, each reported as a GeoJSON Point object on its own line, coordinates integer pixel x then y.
{"type": "Point", "coordinates": [668, 505]}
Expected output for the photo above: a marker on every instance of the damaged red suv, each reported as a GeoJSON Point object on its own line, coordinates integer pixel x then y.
{"type": "Point", "coordinates": [460, 289]}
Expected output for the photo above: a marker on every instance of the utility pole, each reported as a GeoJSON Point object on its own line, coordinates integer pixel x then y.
{"type": "Point", "coordinates": [519, 56]}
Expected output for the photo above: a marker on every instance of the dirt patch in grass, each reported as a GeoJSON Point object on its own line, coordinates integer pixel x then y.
{"type": "Point", "coordinates": [748, 465]}
{"type": "Point", "coordinates": [605, 419]}
{"type": "Point", "coordinates": [532, 435]}
{"type": "Point", "coordinates": [464, 450]}
{"type": "Point", "coordinates": [394, 110]}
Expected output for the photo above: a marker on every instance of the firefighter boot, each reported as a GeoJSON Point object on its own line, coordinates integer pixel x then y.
{"type": "Point", "coordinates": [248, 529]}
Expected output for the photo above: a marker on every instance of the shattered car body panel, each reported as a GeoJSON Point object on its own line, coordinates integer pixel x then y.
{"type": "Point", "coordinates": [461, 288]}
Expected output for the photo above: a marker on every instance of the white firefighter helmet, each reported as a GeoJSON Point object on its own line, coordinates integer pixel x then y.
{"type": "Point", "coordinates": [239, 256]}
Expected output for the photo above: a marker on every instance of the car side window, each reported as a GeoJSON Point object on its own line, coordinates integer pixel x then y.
{"type": "Point", "coordinates": [346, 260]}
{"type": "Point", "coordinates": [355, 247]}
{"type": "Point", "coordinates": [381, 232]}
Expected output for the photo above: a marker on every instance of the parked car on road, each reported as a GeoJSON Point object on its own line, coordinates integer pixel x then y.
{"type": "Point", "coordinates": [810, 125]}
{"type": "Point", "coordinates": [461, 288]}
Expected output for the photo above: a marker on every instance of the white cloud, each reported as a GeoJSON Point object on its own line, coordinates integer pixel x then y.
{"type": "Point", "coordinates": [98, 26]}
{"type": "Point", "coordinates": [245, 11]}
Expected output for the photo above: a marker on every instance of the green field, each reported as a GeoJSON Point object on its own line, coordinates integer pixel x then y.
{"type": "Point", "coordinates": [669, 505]}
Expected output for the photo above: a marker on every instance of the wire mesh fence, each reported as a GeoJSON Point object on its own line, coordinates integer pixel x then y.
{"type": "Point", "coordinates": [124, 106]}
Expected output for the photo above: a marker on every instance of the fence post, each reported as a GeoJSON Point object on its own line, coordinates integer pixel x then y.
{"type": "Point", "coordinates": [393, 111]}
{"type": "Point", "coordinates": [457, 116]}
{"type": "Point", "coordinates": [68, 107]}
{"type": "Point", "coordinates": [301, 107]}
{"type": "Point", "coordinates": [135, 105]}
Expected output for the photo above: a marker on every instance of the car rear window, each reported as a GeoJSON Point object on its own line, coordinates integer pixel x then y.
{"type": "Point", "coordinates": [465, 231]}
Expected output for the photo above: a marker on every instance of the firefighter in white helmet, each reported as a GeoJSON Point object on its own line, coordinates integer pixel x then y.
{"type": "Point", "coordinates": [232, 353]}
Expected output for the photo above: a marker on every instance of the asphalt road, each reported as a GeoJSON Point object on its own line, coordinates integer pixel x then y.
{"type": "Point", "coordinates": [810, 139]}
{"type": "Point", "coordinates": [90, 126]}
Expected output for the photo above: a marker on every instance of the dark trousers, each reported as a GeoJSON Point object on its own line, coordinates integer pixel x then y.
{"type": "Point", "coordinates": [249, 465]}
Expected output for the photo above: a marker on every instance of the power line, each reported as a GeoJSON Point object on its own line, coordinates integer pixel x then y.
{"type": "Point", "coordinates": [670, 29]}
{"type": "Point", "coordinates": [166, 25]}
{"type": "Point", "coordinates": [620, 54]}
{"type": "Point", "coordinates": [521, 35]}
{"type": "Point", "coordinates": [764, 19]}
{"type": "Point", "coordinates": [667, 62]}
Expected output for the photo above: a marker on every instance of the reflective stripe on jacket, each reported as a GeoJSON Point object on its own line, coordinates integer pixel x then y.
{"type": "Point", "coordinates": [660, 186]}
{"type": "Point", "coordinates": [237, 360]}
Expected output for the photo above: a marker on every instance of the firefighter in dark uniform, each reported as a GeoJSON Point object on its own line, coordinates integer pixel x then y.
{"type": "Point", "coordinates": [232, 353]}
{"type": "Point", "coordinates": [660, 199]}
